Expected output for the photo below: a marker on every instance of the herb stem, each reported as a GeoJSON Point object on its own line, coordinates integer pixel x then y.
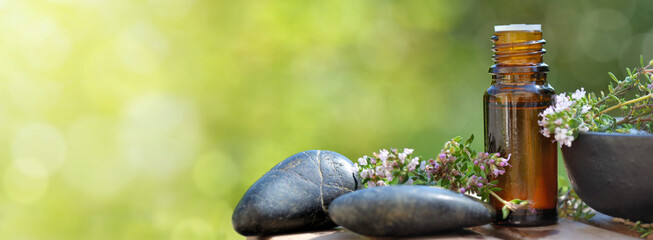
{"type": "Point", "coordinates": [626, 103]}
{"type": "Point", "coordinates": [499, 198]}
{"type": "Point", "coordinates": [643, 106]}
{"type": "Point", "coordinates": [632, 224]}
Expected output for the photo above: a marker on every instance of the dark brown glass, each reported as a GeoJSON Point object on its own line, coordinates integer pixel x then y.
{"type": "Point", "coordinates": [519, 92]}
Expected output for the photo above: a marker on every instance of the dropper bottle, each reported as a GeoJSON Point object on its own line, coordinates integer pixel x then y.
{"type": "Point", "coordinates": [519, 92]}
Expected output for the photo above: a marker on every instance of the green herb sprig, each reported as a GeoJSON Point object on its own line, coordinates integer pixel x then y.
{"type": "Point", "coordinates": [570, 205]}
{"type": "Point", "coordinates": [626, 108]}
{"type": "Point", "coordinates": [458, 167]}
{"type": "Point", "coordinates": [644, 229]}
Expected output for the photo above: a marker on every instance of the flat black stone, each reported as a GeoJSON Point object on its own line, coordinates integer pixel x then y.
{"type": "Point", "coordinates": [294, 195]}
{"type": "Point", "coordinates": [407, 211]}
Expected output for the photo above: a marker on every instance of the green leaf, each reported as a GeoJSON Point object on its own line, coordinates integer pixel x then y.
{"type": "Point", "coordinates": [647, 232]}
{"type": "Point", "coordinates": [622, 130]}
{"type": "Point", "coordinates": [470, 140]}
{"type": "Point", "coordinates": [477, 169]}
{"type": "Point", "coordinates": [574, 123]}
{"type": "Point", "coordinates": [445, 183]}
{"type": "Point", "coordinates": [394, 181]}
{"type": "Point", "coordinates": [607, 118]}
{"type": "Point", "coordinates": [495, 189]}
{"type": "Point", "coordinates": [628, 80]}
{"type": "Point", "coordinates": [589, 216]}
{"type": "Point", "coordinates": [613, 77]}
{"type": "Point", "coordinates": [505, 212]}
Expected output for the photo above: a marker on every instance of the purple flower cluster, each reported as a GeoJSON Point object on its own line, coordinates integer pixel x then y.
{"type": "Point", "coordinates": [387, 167]}
{"type": "Point", "coordinates": [492, 165]}
{"type": "Point", "coordinates": [456, 168]}
{"type": "Point", "coordinates": [494, 162]}
{"type": "Point", "coordinates": [443, 167]}
{"type": "Point", "coordinates": [474, 183]}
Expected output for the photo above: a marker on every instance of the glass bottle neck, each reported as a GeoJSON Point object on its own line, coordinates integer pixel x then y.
{"type": "Point", "coordinates": [518, 52]}
{"type": "Point", "coordinates": [538, 78]}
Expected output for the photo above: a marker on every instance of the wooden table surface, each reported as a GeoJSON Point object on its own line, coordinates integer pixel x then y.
{"type": "Point", "coordinates": [600, 227]}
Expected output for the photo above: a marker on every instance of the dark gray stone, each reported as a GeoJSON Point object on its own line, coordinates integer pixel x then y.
{"type": "Point", "coordinates": [294, 195]}
{"type": "Point", "coordinates": [406, 211]}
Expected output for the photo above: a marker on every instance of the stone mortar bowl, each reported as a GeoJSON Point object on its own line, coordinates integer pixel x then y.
{"type": "Point", "coordinates": [613, 173]}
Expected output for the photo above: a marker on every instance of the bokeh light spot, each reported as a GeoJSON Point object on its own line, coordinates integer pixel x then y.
{"type": "Point", "coordinates": [601, 33]}
{"type": "Point", "coordinates": [43, 43]}
{"type": "Point", "coordinates": [647, 47]}
{"type": "Point", "coordinates": [26, 180]}
{"type": "Point", "coordinates": [32, 96]}
{"type": "Point", "coordinates": [94, 165]}
{"type": "Point", "coordinates": [41, 142]}
{"type": "Point", "coordinates": [142, 48]}
{"type": "Point", "coordinates": [160, 134]}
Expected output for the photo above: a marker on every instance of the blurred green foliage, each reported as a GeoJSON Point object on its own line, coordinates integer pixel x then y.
{"type": "Point", "coordinates": [148, 119]}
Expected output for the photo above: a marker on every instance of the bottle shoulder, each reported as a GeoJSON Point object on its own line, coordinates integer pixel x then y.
{"type": "Point", "coordinates": [519, 92]}
{"type": "Point", "coordinates": [540, 89]}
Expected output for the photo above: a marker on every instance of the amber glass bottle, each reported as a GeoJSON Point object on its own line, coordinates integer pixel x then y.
{"type": "Point", "coordinates": [519, 92]}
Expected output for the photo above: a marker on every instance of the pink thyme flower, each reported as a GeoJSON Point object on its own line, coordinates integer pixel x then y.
{"type": "Point", "coordinates": [383, 155]}
{"type": "Point", "coordinates": [422, 165]}
{"type": "Point", "coordinates": [363, 160]}
{"type": "Point", "coordinates": [402, 157]}
{"type": "Point", "coordinates": [545, 132]}
{"type": "Point", "coordinates": [388, 175]}
{"type": "Point", "coordinates": [580, 93]}
{"type": "Point", "coordinates": [496, 172]}
{"type": "Point", "coordinates": [558, 121]}
{"type": "Point", "coordinates": [585, 109]}
{"type": "Point", "coordinates": [562, 102]}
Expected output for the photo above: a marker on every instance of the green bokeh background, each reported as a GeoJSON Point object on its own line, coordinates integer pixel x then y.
{"type": "Point", "coordinates": [149, 119]}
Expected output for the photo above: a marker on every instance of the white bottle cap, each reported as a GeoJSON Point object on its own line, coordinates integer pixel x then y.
{"type": "Point", "coordinates": [518, 27]}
